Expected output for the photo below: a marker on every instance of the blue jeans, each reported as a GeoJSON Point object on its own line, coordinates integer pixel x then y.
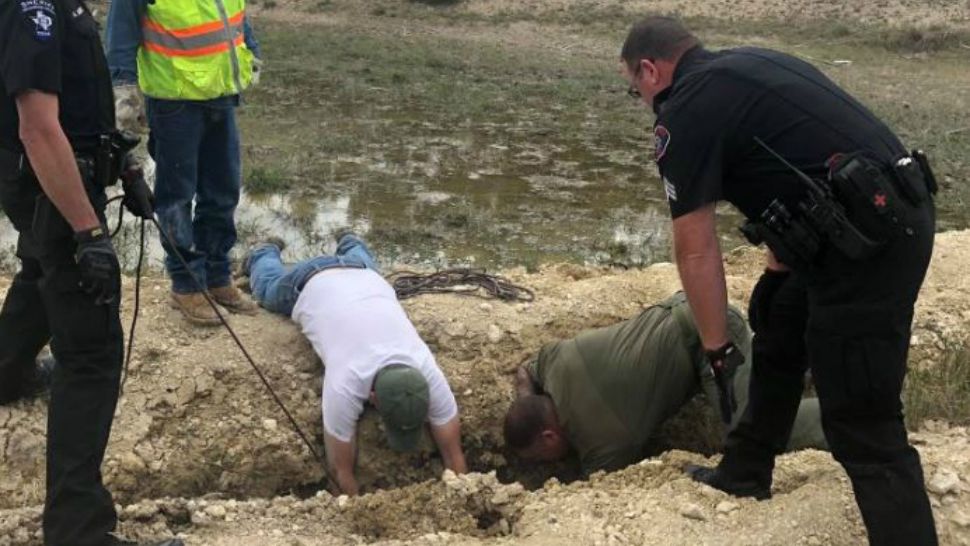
{"type": "Point", "coordinates": [196, 147]}
{"type": "Point", "coordinates": [276, 288]}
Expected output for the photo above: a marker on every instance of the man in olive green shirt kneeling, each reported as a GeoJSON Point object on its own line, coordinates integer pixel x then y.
{"type": "Point", "coordinates": [605, 392]}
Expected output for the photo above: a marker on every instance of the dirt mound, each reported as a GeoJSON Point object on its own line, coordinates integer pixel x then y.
{"type": "Point", "coordinates": [648, 503]}
{"type": "Point", "coordinates": [195, 422]}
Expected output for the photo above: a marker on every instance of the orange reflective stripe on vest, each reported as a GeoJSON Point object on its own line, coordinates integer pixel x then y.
{"type": "Point", "coordinates": [204, 39]}
{"type": "Point", "coordinates": [193, 49]}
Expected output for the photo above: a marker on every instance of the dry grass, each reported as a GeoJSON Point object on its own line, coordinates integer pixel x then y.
{"type": "Point", "coordinates": [941, 392]}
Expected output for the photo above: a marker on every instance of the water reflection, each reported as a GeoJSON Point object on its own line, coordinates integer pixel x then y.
{"type": "Point", "coordinates": [447, 201]}
{"type": "Point", "coordinates": [484, 220]}
{"type": "Point", "coordinates": [307, 225]}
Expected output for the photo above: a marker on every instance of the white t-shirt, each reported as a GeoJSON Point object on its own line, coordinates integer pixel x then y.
{"type": "Point", "coordinates": [357, 327]}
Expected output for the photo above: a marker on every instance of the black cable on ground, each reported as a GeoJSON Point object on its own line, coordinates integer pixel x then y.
{"type": "Point", "coordinates": [134, 316]}
{"type": "Point", "coordinates": [222, 319]}
{"type": "Point", "coordinates": [121, 214]}
{"type": "Point", "coordinates": [463, 281]}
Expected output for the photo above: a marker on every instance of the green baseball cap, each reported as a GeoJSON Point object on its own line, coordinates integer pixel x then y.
{"type": "Point", "coordinates": [402, 402]}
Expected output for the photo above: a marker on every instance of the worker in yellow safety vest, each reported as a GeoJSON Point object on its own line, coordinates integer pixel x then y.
{"type": "Point", "coordinates": [191, 59]}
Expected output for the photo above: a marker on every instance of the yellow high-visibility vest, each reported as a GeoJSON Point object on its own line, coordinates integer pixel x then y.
{"type": "Point", "coordinates": [193, 49]}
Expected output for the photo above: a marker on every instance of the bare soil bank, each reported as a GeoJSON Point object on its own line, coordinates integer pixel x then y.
{"type": "Point", "coordinates": [195, 422]}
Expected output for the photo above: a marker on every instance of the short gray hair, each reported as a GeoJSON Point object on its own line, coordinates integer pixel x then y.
{"type": "Point", "coordinates": [657, 37]}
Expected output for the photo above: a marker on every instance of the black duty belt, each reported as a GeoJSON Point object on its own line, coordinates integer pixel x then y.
{"type": "Point", "coordinates": [99, 159]}
{"type": "Point", "coordinates": [864, 204]}
{"type": "Point", "coordinates": [18, 165]}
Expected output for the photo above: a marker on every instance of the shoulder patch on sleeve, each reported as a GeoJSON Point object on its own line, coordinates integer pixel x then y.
{"type": "Point", "coordinates": [670, 190]}
{"type": "Point", "coordinates": [661, 139]}
{"type": "Point", "coordinates": [39, 17]}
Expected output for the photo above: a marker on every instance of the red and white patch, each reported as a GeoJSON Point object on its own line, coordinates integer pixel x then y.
{"type": "Point", "coordinates": [661, 139]}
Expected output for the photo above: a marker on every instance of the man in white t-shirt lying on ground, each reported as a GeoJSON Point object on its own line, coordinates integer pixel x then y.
{"type": "Point", "coordinates": [369, 348]}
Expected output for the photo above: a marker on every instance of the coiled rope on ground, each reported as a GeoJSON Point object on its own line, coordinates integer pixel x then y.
{"type": "Point", "coordinates": [463, 281]}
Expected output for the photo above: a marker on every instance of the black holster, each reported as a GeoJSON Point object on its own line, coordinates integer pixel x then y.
{"type": "Point", "coordinates": [110, 156]}
{"type": "Point", "coordinates": [872, 193]}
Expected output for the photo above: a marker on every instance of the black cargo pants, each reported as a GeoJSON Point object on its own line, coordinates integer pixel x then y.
{"type": "Point", "coordinates": [850, 323]}
{"type": "Point", "coordinates": [43, 304]}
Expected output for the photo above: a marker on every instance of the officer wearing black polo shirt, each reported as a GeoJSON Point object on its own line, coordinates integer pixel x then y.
{"type": "Point", "coordinates": [58, 151]}
{"type": "Point", "coordinates": [849, 247]}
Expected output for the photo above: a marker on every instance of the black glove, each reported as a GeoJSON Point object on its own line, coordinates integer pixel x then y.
{"type": "Point", "coordinates": [139, 199]}
{"type": "Point", "coordinates": [100, 272]}
{"type": "Point", "coordinates": [723, 362]}
{"type": "Point", "coordinates": [759, 308]}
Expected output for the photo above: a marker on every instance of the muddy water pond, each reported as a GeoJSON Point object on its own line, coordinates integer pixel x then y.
{"type": "Point", "coordinates": [465, 197]}
{"type": "Point", "coordinates": [594, 212]}
{"type": "Point", "coordinates": [471, 201]}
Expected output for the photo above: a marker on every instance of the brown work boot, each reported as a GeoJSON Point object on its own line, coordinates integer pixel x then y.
{"type": "Point", "coordinates": [233, 299]}
{"type": "Point", "coordinates": [195, 309]}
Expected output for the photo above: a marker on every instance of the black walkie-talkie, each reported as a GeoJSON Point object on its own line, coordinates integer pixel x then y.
{"type": "Point", "coordinates": [827, 215]}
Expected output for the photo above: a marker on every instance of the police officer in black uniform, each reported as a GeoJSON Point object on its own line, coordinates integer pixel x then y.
{"type": "Point", "coordinates": [58, 151]}
{"type": "Point", "coordinates": [849, 247]}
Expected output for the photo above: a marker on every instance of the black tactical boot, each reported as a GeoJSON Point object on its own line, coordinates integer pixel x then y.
{"type": "Point", "coordinates": [718, 480]}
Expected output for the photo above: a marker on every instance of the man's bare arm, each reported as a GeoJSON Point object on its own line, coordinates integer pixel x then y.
{"type": "Point", "coordinates": [52, 158]}
{"type": "Point", "coordinates": [341, 457]}
{"type": "Point", "coordinates": [448, 439]}
{"type": "Point", "coordinates": [701, 270]}
{"type": "Point", "coordinates": [525, 385]}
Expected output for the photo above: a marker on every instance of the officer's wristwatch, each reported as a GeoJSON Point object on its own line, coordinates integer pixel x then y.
{"type": "Point", "coordinates": [721, 354]}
